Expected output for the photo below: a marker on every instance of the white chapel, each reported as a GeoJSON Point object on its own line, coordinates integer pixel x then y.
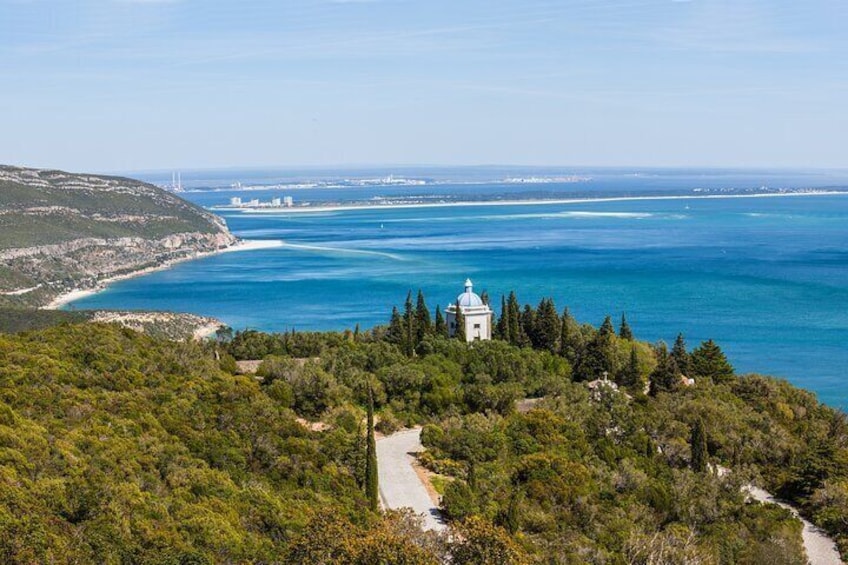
{"type": "Point", "coordinates": [477, 315]}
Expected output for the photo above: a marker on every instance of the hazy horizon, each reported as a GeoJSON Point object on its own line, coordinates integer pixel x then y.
{"type": "Point", "coordinates": [140, 85]}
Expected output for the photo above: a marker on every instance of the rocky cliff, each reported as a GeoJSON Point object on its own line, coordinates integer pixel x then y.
{"type": "Point", "coordinates": [61, 231]}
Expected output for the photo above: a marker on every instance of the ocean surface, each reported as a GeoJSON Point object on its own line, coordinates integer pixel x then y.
{"type": "Point", "coordinates": [766, 277]}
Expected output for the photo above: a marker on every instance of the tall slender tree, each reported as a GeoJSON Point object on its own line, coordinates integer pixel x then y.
{"type": "Point", "coordinates": [528, 326]}
{"type": "Point", "coordinates": [547, 326]}
{"type": "Point", "coordinates": [423, 323]}
{"type": "Point", "coordinates": [681, 356]}
{"type": "Point", "coordinates": [514, 319]}
{"type": "Point", "coordinates": [439, 327]}
{"type": "Point", "coordinates": [395, 332]}
{"type": "Point", "coordinates": [698, 443]}
{"type": "Point", "coordinates": [570, 338]}
{"type": "Point", "coordinates": [371, 479]}
{"type": "Point", "coordinates": [409, 333]}
{"type": "Point", "coordinates": [503, 322]}
{"type": "Point", "coordinates": [624, 331]}
{"type": "Point", "coordinates": [459, 320]}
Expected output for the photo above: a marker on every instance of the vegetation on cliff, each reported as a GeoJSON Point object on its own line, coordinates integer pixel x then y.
{"type": "Point", "coordinates": [61, 230]}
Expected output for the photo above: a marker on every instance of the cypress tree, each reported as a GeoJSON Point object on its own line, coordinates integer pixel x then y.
{"type": "Point", "coordinates": [409, 333]}
{"type": "Point", "coordinates": [666, 376]}
{"type": "Point", "coordinates": [423, 324]}
{"type": "Point", "coordinates": [514, 319]}
{"type": "Point", "coordinates": [625, 332]}
{"type": "Point", "coordinates": [484, 297]}
{"type": "Point", "coordinates": [502, 327]}
{"type": "Point", "coordinates": [395, 332]}
{"type": "Point", "coordinates": [708, 360]}
{"type": "Point", "coordinates": [440, 328]}
{"type": "Point", "coordinates": [681, 356]}
{"type": "Point", "coordinates": [570, 338]}
{"type": "Point", "coordinates": [459, 331]}
{"type": "Point", "coordinates": [527, 325]}
{"type": "Point", "coordinates": [356, 332]}
{"type": "Point", "coordinates": [371, 479]}
{"type": "Point", "coordinates": [698, 443]}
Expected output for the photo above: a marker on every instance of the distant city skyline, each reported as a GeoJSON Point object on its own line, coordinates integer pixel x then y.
{"type": "Point", "coordinates": [129, 85]}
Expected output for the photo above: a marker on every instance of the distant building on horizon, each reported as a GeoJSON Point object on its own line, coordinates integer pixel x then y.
{"type": "Point", "coordinates": [477, 315]}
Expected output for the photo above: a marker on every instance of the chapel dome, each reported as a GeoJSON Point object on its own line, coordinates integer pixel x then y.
{"type": "Point", "coordinates": [468, 298]}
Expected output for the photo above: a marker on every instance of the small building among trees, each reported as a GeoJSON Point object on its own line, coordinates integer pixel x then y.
{"type": "Point", "coordinates": [469, 316]}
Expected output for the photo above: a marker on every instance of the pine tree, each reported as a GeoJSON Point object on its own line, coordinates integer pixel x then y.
{"type": "Point", "coordinates": [666, 376]}
{"type": "Point", "coordinates": [440, 328]}
{"type": "Point", "coordinates": [409, 333]}
{"type": "Point", "coordinates": [423, 325]}
{"type": "Point", "coordinates": [708, 360]}
{"type": "Point", "coordinates": [698, 444]}
{"type": "Point", "coordinates": [459, 331]}
{"type": "Point", "coordinates": [625, 332]}
{"type": "Point", "coordinates": [599, 355]}
{"type": "Point", "coordinates": [547, 326]}
{"type": "Point", "coordinates": [681, 356]}
{"type": "Point", "coordinates": [606, 330]}
{"type": "Point", "coordinates": [371, 479]}
{"type": "Point", "coordinates": [395, 332]}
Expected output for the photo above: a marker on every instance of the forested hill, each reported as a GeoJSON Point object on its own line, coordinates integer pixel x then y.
{"type": "Point", "coordinates": [120, 448]}
{"type": "Point", "coordinates": [62, 230]}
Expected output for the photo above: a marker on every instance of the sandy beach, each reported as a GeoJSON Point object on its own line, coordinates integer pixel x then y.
{"type": "Point", "coordinates": [536, 202]}
{"type": "Point", "coordinates": [76, 294]}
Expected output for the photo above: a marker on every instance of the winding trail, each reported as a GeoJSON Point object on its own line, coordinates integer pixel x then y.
{"type": "Point", "coordinates": [821, 550]}
{"type": "Point", "coordinates": [400, 486]}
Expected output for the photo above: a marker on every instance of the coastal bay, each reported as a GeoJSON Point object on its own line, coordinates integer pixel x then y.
{"type": "Point", "coordinates": [765, 276]}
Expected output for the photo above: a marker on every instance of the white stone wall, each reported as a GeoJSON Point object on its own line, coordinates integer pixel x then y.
{"type": "Point", "coordinates": [478, 322]}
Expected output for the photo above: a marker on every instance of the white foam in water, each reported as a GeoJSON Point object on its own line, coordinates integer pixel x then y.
{"type": "Point", "coordinates": [329, 249]}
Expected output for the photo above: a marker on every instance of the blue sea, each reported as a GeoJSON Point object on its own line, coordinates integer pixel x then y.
{"type": "Point", "coordinates": [766, 277]}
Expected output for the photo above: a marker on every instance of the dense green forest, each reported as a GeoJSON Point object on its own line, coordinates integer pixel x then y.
{"type": "Point", "coordinates": [117, 447]}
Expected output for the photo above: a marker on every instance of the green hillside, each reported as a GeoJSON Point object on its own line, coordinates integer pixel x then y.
{"type": "Point", "coordinates": [42, 207]}
{"type": "Point", "coordinates": [61, 231]}
{"type": "Point", "coordinates": [120, 448]}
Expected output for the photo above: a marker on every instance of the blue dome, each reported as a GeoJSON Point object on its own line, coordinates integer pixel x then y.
{"type": "Point", "coordinates": [468, 298]}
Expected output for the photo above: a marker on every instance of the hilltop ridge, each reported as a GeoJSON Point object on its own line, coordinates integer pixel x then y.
{"type": "Point", "coordinates": [61, 231]}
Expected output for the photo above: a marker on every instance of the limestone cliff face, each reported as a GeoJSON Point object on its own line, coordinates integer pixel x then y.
{"type": "Point", "coordinates": [60, 231]}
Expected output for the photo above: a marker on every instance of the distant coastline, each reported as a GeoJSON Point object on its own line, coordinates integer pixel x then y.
{"type": "Point", "coordinates": [78, 293]}
{"type": "Point", "coordinates": [529, 202]}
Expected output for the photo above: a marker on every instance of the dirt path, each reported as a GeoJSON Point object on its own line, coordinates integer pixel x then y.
{"type": "Point", "coordinates": [400, 486]}
{"type": "Point", "coordinates": [821, 550]}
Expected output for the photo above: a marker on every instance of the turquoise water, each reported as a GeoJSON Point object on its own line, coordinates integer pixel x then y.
{"type": "Point", "coordinates": [765, 277]}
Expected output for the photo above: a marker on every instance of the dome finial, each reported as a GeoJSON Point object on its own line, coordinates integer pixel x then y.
{"type": "Point", "coordinates": [468, 285]}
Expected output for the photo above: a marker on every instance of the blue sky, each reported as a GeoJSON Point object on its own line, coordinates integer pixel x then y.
{"type": "Point", "coordinates": [149, 84]}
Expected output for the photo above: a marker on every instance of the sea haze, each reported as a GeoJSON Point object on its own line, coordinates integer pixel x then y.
{"type": "Point", "coordinates": [766, 277]}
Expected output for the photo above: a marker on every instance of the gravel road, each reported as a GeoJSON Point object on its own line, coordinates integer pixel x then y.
{"type": "Point", "coordinates": [821, 550]}
{"type": "Point", "coordinates": [400, 486]}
